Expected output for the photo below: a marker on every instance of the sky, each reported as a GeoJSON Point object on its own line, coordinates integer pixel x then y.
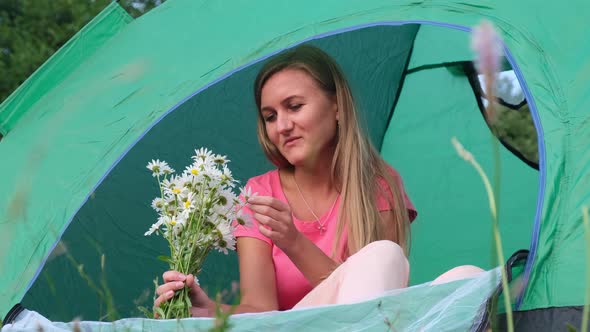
{"type": "Point", "coordinates": [507, 87]}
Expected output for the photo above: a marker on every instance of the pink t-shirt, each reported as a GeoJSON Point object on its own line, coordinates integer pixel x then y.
{"type": "Point", "coordinates": [291, 285]}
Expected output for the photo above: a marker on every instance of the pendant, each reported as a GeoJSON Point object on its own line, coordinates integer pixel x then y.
{"type": "Point", "coordinates": [322, 229]}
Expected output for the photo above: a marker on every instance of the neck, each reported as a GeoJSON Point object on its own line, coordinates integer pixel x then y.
{"type": "Point", "coordinates": [316, 176]}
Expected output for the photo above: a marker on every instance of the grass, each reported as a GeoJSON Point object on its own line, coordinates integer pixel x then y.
{"type": "Point", "coordinates": [495, 226]}
{"type": "Point", "coordinates": [101, 288]}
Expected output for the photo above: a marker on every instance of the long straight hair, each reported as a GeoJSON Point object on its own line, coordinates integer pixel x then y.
{"type": "Point", "coordinates": [356, 168]}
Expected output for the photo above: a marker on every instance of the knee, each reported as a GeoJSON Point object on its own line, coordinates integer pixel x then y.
{"type": "Point", "coordinates": [385, 247]}
{"type": "Point", "coordinates": [458, 273]}
{"type": "Point", "coordinates": [381, 264]}
{"type": "Point", "coordinates": [385, 253]}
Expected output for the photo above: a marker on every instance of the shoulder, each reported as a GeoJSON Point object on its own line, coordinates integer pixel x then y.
{"type": "Point", "coordinates": [394, 174]}
{"type": "Point", "coordinates": [265, 184]}
{"type": "Point", "coordinates": [385, 195]}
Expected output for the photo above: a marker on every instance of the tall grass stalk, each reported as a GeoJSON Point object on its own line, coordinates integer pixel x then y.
{"type": "Point", "coordinates": [102, 290]}
{"type": "Point", "coordinates": [495, 229]}
{"type": "Point", "coordinates": [587, 300]}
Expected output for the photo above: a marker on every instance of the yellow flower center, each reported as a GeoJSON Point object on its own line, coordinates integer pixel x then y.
{"type": "Point", "coordinates": [187, 204]}
{"type": "Point", "coordinates": [173, 222]}
{"type": "Point", "coordinates": [176, 191]}
{"type": "Point", "coordinates": [195, 171]}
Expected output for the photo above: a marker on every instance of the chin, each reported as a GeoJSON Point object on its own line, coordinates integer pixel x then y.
{"type": "Point", "coordinates": [294, 160]}
{"type": "Point", "coordinates": [293, 157]}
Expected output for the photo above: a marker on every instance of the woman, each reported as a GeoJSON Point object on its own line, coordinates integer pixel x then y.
{"type": "Point", "coordinates": [331, 223]}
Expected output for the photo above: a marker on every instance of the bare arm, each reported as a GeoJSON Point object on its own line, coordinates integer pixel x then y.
{"type": "Point", "coordinates": [310, 260]}
{"type": "Point", "coordinates": [277, 224]}
{"type": "Point", "coordinates": [257, 277]}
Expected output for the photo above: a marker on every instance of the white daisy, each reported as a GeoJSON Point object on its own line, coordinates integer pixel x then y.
{"type": "Point", "coordinates": [167, 184]}
{"type": "Point", "coordinates": [170, 207]}
{"type": "Point", "coordinates": [157, 167]}
{"type": "Point", "coordinates": [167, 170]}
{"type": "Point", "coordinates": [187, 181]}
{"type": "Point", "coordinates": [246, 193]}
{"type": "Point", "coordinates": [188, 202]}
{"type": "Point", "coordinates": [202, 154]}
{"type": "Point", "coordinates": [178, 223]}
{"type": "Point", "coordinates": [158, 204]}
{"type": "Point", "coordinates": [220, 160]}
{"type": "Point", "coordinates": [244, 219]}
{"type": "Point", "coordinates": [176, 186]}
{"type": "Point", "coordinates": [226, 238]}
{"type": "Point", "coordinates": [227, 176]}
{"type": "Point", "coordinates": [193, 170]}
{"type": "Point", "coordinates": [155, 226]}
{"type": "Point", "coordinates": [225, 198]}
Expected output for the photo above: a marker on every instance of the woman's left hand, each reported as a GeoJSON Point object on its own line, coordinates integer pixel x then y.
{"type": "Point", "coordinates": [275, 221]}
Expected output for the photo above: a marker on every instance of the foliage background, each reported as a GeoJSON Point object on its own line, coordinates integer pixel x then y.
{"type": "Point", "coordinates": [32, 30]}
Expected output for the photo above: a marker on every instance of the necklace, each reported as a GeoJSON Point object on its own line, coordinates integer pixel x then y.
{"type": "Point", "coordinates": [321, 226]}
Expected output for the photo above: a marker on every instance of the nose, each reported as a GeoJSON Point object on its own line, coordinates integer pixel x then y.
{"type": "Point", "coordinates": [284, 123]}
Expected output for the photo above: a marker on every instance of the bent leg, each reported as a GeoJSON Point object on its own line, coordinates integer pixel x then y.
{"type": "Point", "coordinates": [458, 273]}
{"type": "Point", "coordinates": [378, 267]}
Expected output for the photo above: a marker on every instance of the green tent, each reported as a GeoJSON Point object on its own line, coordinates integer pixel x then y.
{"type": "Point", "coordinates": [79, 132]}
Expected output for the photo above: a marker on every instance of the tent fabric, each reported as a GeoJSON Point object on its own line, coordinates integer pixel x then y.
{"type": "Point", "coordinates": [418, 144]}
{"type": "Point", "coordinates": [548, 319]}
{"type": "Point", "coordinates": [436, 46]}
{"type": "Point", "coordinates": [65, 134]}
{"type": "Point", "coordinates": [456, 306]}
{"type": "Point", "coordinates": [112, 216]}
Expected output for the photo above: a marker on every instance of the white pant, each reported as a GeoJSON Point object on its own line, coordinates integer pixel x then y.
{"type": "Point", "coordinates": [376, 268]}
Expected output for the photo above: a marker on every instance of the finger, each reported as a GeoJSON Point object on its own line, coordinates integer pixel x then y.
{"type": "Point", "coordinates": [267, 211]}
{"type": "Point", "coordinates": [163, 298]}
{"type": "Point", "coordinates": [269, 201]}
{"type": "Point", "coordinates": [173, 276]}
{"type": "Point", "coordinates": [169, 286]}
{"type": "Point", "coordinates": [192, 283]}
{"type": "Point", "coordinates": [266, 220]}
{"type": "Point", "coordinates": [190, 280]}
{"type": "Point", "coordinates": [267, 232]}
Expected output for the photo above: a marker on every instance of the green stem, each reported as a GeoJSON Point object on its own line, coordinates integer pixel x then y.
{"type": "Point", "coordinates": [497, 237]}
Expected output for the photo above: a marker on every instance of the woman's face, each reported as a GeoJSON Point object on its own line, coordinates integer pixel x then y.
{"type": "Point", "coordinates": [300, 118]}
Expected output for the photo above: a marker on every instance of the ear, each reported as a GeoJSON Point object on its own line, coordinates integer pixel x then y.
{"type": "Point", "coordinates": [335, 107]}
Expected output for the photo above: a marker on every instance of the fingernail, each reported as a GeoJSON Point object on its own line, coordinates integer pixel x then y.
{"type": "Point", "coordinates": [179, 284]}
{"type": "Point", "coordinates": [181, 276]}
{"type": "Point", "coordinates": [169, 294]}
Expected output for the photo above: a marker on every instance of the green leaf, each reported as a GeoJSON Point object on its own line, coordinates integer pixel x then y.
{"type": "Point", "coordinates": [160, 312]}
{"type": "Point", "coordinates": [570, 328]}
{"type": "Point", "coordinates": [188, 303]}
{"type": "Point", "coordinates": [165, 259]}
{"type": "Point", "coordinates": [147, 313]}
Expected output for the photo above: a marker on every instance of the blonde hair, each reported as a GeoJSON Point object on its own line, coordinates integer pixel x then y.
{"type": "Point", "coordinates": [356, 166]}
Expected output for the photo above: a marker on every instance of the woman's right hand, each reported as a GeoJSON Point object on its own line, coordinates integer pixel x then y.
{"type": "Point", "coordinates": [202, 305]}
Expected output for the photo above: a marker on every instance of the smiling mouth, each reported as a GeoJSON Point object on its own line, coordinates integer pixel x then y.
{"type": "Point", "coordinates": [291, 141]}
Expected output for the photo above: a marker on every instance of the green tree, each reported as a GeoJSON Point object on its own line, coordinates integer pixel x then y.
{"type": "Point", "coordinates": [32, 30]}
{"type": "Point", "coordinates": [516, 128]}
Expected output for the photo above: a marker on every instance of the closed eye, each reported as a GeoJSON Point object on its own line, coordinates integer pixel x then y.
{"type": "Point", "coordinates": [295, 107]}
{"type": "Point", "coordinates": [269, 117]}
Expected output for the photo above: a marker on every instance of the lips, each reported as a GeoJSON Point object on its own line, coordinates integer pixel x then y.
{"type": "Point", "coordinates": [291, 141]}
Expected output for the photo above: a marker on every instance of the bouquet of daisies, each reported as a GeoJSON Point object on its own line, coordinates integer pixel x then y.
{"type": "Point", "coordinates": [197, 212]}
